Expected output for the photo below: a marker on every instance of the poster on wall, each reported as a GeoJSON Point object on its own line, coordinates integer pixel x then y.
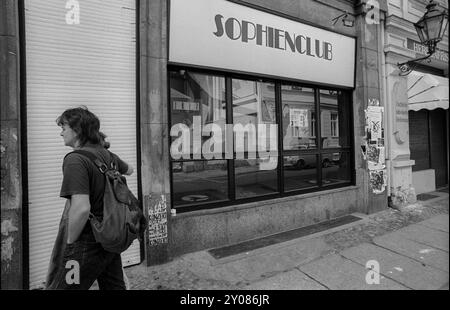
{"type": "Point", "coordinates": [374, 150]}
{"type": "Point", "coordinates": [157, 220]}
{"type": "Point", "coordinates": [377, 181]}
{"type": "Point", "coordinates": [374, 121]}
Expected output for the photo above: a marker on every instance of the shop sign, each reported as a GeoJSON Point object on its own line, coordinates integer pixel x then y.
{"type": "Point", "coordinates": [419, 48]}
{"type": "Point", "coordinates": [225, 35]}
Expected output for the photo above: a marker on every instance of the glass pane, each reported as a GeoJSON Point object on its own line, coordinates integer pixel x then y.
{"type": "Point", "coordinates": [299, 120]}
{"type": "Point", "coordinates": [336, 168]}
{"type": "Point", "coordinates": [197, 104]}
{"type": "Point", "coordinates": [300, 172]}
{"type": "Point", "coordinates": [254, 119]}
{"type": "Point", "coordinates": [255, 177]}
{"type": "Point", "coordinates": [199, 181]}
{"type": "Point", "coordinates": [334, 119]}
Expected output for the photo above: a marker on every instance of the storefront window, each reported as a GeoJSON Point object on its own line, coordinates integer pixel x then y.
{"type": "Point", "coordinates": [298, 118]}
{"type": "Point", "coordinates": [300, 172]}
{"type": "Point", "coordinates": [253, 113]}
{"type": "Point", "coordinates": [199, 181]}
{"type": "Point", "coordinates": [335, 168]}
{"type": "Point", "coordinates": [198, 117]}
{"type": "Point", "coordinates": [334, 119]}
{"type": "Point", "coordinates": [198, 107]}
{"type": "Point", "coordinates": [234, 139]}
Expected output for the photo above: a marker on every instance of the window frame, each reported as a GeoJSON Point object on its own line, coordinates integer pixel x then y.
{"type": "Point", "coordinates": [319, 151]}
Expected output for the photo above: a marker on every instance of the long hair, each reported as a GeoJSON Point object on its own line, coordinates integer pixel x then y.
{"type": "Point", "coordinates": [85, 124]}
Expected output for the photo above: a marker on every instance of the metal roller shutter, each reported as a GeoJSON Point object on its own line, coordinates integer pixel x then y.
{"type": "Point", "coordinates": [91, 63]}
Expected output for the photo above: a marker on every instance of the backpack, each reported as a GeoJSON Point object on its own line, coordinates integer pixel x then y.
{"type": "Point", "coordinates": [123, 220]}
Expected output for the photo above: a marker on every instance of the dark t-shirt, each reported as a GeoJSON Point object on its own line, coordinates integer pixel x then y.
{"type": "Point", "coordinates": [81, 176]}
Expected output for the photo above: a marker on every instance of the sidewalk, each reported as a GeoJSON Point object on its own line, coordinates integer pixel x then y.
{"type": "Point", "coordinates": [410, 245]}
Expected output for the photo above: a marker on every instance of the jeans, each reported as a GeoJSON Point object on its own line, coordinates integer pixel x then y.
{"type": "Point", "coordinates": [85, 261]}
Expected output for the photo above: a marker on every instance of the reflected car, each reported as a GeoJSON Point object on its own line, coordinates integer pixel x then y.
{"type": "Point", "coordinates": [302, 162]}
{"type": "Point", "coordinates": [177, 166]}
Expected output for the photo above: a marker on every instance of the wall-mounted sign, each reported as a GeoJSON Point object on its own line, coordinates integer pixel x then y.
{"type": "Point", "coordinates": [226, 35]}
{"type": "Point", "coordinates": [421, 49]}
{"type": "Point", "coordinates": [401, 112]}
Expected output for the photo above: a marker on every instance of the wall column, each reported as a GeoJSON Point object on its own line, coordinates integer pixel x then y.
{"type": "Point", "coordinates": [368, 88]}
{"type": "Point", "coordinates": [11, 178]}
{"type": "Point", "coordinates": [154, 128]}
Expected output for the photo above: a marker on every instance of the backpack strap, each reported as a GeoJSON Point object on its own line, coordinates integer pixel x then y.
{"type": "Point", "coordinates": [102, 167]}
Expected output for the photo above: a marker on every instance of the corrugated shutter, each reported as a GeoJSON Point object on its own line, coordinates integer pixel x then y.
{"type": "Point", "coordinates": [91, 63]}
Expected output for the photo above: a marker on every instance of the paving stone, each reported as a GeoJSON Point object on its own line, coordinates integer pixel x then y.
{"type": "Point", "coordinates": [256, 267]}
{"type": "Point", "coordinates": [398, 267]}
{"type": "Point", "coordinates": [282, 259]}
{"type": "Point", "coordinates": [437, 223]}
{"type": "Point", "coordinates": [427, 255]}
{"type": "Point", "coordinates": [202, 265]}
{"type": "Point", "coordinates": [290, 280]}
{"type": "Point", "coordinates": [422, 234]}
{"type": "Point", "coordinates": [338, 273]}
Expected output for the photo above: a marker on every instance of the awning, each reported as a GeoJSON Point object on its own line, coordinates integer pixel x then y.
{"type": "Point", "coordinates": [427, 91]}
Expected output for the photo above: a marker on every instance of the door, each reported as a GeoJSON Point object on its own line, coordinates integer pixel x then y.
{"type": "Point", "coordinates": [438, 146]}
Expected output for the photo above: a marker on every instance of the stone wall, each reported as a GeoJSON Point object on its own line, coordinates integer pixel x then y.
{"type": "Point", "coordinates": [11, 181]}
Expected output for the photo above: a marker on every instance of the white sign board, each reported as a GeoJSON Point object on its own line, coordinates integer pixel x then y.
{"type": "Point", "coordinates": [226, 35]}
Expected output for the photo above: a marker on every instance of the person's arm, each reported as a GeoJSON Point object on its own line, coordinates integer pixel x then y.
{"type": "Point", "coordinates": [130, 169]}
{"type": "Point", "coordinates": [123, 167]}
{"type": "Point", "coordinates": [78, 215]}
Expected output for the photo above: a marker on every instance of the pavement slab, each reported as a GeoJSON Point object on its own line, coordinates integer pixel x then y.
{"type": "Point", "coordinates": [256, 267]}
{"type": "Point", "coordinates": [423, 234]}
{"type": "Point", "coordinates": [289, 280]}
{"type": "Point", "coordinates": [337, 273]}
{"type": "Point", "coordinates": [437, 223]}
{"type": "Point", "coordinates": [398, 267]}
{"type": "Point", "coordinates": [422, 253]}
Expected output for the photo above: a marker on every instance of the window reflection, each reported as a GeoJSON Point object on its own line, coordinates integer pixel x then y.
{"type": "Point", "coordinates": [199, 181]}
{"type": "Point", "coordinates": [253, 105]}
{"type": "Point", "coordinates": [335, 168]}
{"type": "Point", "coordinates": [299, 120]}
{"type": "Point", "coordinates": [197, 100]}
{"type": "Point", "coordinates": [250, 162]}
{"type": "Point", "coordinates": [254, 119]}
{"type": "Point", "coordinates": [252, 179]}
{"type": "Point", "coordinates": [300, 172]}
{"type": "Point", "coordinates": [334, 119]}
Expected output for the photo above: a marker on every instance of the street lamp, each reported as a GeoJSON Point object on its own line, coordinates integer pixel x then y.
{"type": "Point", "coordinates": [430, 29]}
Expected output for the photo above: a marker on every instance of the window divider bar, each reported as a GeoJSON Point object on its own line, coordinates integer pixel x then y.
{"type": "Point", "coordinates": [318, 136]}
{"type": "Point", "coordinates": [229, 120]}
{"type": "Point", "coordinates": [279, 120]}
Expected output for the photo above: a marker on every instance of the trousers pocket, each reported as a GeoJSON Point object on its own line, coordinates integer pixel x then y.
{"type": "Point", "coordinates": [73, 251]}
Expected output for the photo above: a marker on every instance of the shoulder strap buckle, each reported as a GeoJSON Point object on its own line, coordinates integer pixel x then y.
{"type": "Point", "coordinates": [101, 165]}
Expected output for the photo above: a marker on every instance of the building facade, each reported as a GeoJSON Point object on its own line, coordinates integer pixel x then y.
{"type": "Point", "coordinates": [243, 118]}
{"type": "Point", "coordinates": [417, 105]}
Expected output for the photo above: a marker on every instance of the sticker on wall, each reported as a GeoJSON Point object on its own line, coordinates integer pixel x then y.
{"type": "Point", "coordinates": [157, 219]}
{"type": "Point", "coordinates": [377, 181]}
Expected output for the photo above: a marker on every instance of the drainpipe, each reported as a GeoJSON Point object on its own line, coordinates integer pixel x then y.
{"type": "Point", "coordinates": [387, 115]}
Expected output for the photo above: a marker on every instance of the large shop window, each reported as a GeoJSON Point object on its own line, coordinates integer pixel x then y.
{"type": "Point", "coordinates": [235, 140]}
